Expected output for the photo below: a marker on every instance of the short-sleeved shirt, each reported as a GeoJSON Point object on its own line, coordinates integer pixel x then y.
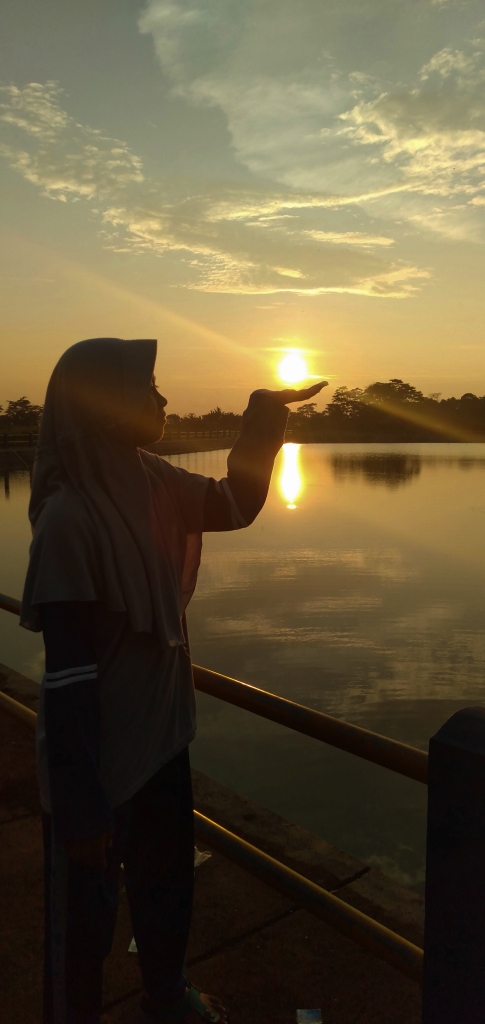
{"type": "Point", "coordinates": [146, 707]}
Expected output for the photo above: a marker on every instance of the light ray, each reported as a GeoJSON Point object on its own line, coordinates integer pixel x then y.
{"type": "Point", "coordinates": [71, 270]}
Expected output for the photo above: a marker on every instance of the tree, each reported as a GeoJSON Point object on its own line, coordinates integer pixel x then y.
{"type": "Point", "coordinates": [306, 411]}
{"type": "Point", "coordinates": [21, 413]}
{"type": "Point", "coordinates": [345, 403]}
{"type": "Point", "coordinates": [395, 391]}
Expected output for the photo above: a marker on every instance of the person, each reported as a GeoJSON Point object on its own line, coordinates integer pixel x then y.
{"type": "Point", "coordinates": [113, 564]}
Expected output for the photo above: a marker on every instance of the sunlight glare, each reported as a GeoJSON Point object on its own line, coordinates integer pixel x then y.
{"type": "Point", "coordinates": [292, 368]}
{"type": "Point", "coordinates": [290, 479]}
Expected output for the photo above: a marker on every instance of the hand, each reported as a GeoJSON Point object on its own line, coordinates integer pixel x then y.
{"type": "Point", "coordinates": [291, 395]}
{"type": "Point", "coordinates": [91, 852]}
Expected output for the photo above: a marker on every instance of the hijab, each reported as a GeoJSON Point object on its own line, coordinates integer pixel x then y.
{"type": "Point", "coordinates": [111, 523]}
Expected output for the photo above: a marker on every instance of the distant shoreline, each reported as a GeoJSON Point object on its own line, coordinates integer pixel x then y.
{"type": "Point", "coordinates": [22, 457]}
{"type": "Point", "coordinates": [191, 445]}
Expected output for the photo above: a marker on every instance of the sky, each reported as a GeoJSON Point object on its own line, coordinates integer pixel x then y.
{"type": "Point", "coordinates": [243, 178]}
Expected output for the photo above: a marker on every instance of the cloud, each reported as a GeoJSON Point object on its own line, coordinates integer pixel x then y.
{"type": "Point", "coordinates": [436, 144]}
{"type": "Point", "coordinates": [36, 109]}
{"type": "Point", "coordinates": [447, 61]}
{"type": "Point", "coordinates": [242, 239]}
{"type": "Point", "coordinates": [71, 159]}
{"type": "Point", "coordinates": [231, 256]}
{"type": "Point", "coordinates": [252, 256]}
{"type": "Point", "coordinates": [313, 119]}
{"type": "Point", "coordinates": [350, 238]}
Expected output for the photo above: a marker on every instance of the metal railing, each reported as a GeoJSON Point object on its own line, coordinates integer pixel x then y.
{"type": "Point", "coordinates": [398, 757]}
{"type": "Point", "coordinates": [384, 943]}
{"type": "Point", "coordinates": [19, 440]}
{"type": "Point", "coordinates": [454, 946]}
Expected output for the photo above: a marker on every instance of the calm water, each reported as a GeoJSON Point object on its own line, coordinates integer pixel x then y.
{"type": "Point", "coordinates": [358, 591]}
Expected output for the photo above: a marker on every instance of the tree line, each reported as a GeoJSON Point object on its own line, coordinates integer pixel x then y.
{"type": "Point", "coordinates": [391, 411]}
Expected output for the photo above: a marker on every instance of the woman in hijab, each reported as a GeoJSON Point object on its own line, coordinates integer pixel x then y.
{"type": "Point", "coordinates": [113, 564]}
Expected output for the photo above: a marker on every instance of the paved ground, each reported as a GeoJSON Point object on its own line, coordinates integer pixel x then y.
{"type": "Point", "coordinates": [261, 955]}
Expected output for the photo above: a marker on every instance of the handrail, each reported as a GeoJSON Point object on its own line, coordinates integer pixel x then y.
{"type": "Point", "coordinates": [10, 604]}
{"type": "Point", "coordinates": [398, 757]}
{"type": "Point", "coordinates": [384, 943]}
{"type": "Point", "coordinates": [17, 710]}
{"type": "Point", "coordinates": [392, 754]}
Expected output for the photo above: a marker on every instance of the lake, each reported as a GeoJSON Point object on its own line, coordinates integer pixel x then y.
{"type": "Point", "coordinates": [358, 591]}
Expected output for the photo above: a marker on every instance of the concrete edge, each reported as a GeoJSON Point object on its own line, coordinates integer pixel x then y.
{"type": "Point", "coordinates": [356, 883]}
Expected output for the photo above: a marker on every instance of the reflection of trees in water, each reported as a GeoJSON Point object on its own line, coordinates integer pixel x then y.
{"type": "Point", "coordinates": [11, 475]}
{"type": "Point", "coordinates": [390, 469]}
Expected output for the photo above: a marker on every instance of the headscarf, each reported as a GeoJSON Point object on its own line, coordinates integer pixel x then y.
{"type": "Point", "coordinates": [111, 523]}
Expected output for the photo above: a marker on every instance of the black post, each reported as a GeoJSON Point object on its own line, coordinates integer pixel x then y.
{"type": "Point", "coordinates": [5, 440]}
{"type": "Point", "coordinates": [454, 944]}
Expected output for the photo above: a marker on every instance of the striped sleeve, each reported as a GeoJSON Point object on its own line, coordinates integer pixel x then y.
{"type": "Point", "coordinates": [80, 806]}
{"type": "Point", "coordinates": [69, 649]}
{"type": "Point", "coordinates": [52, 680]}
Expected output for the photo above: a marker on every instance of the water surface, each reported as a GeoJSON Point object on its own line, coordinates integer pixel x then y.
{"type": "Point", "coordinates": [358, 591]}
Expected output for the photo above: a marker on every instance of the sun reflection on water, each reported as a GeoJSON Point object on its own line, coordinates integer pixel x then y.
{"type": "Point", "coordinates": [290, 480]}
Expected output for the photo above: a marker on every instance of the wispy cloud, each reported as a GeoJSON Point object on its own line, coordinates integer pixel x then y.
{"type": "Point", "coordinates": [434, 139]}
{"type": "Point", "coordinates": [251, 257]}
{"type": "Point", "coordinates": [239, 239]}
{"type": "Point", "coordinates": [310, 121]}
{"type": "Point", "coordinates": [448, 61]}
{"type": "Point", "coordinates": [350, 238]}
{"type": "Point", "coordinates": [70, 159]}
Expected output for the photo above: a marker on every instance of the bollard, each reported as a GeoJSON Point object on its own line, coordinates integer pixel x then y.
{"type": "Point", "coordinates": [454, 943]}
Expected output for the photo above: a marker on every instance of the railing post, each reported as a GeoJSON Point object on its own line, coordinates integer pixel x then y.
{"type": "Point", "coordinates": [454, 945]}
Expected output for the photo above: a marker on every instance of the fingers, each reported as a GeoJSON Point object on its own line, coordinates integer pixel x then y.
{"type": "Point", "coordinates": [311, 391]}
{"type": "Point", "coordinates": [291, 395]}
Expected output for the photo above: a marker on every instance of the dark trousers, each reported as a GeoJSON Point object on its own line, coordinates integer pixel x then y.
{"type": "Point", "coordinates": [154, 839]}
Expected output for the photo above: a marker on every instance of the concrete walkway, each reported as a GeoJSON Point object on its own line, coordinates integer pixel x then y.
{"type": "Point", "coordinates": [262, 955]}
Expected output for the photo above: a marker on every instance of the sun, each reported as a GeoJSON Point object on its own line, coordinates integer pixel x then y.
{"type": "Point", "coordinates": [292, 368]}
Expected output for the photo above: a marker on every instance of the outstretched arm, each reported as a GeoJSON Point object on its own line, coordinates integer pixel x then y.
{"type": "Point", "coordinates": [236, 500]}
